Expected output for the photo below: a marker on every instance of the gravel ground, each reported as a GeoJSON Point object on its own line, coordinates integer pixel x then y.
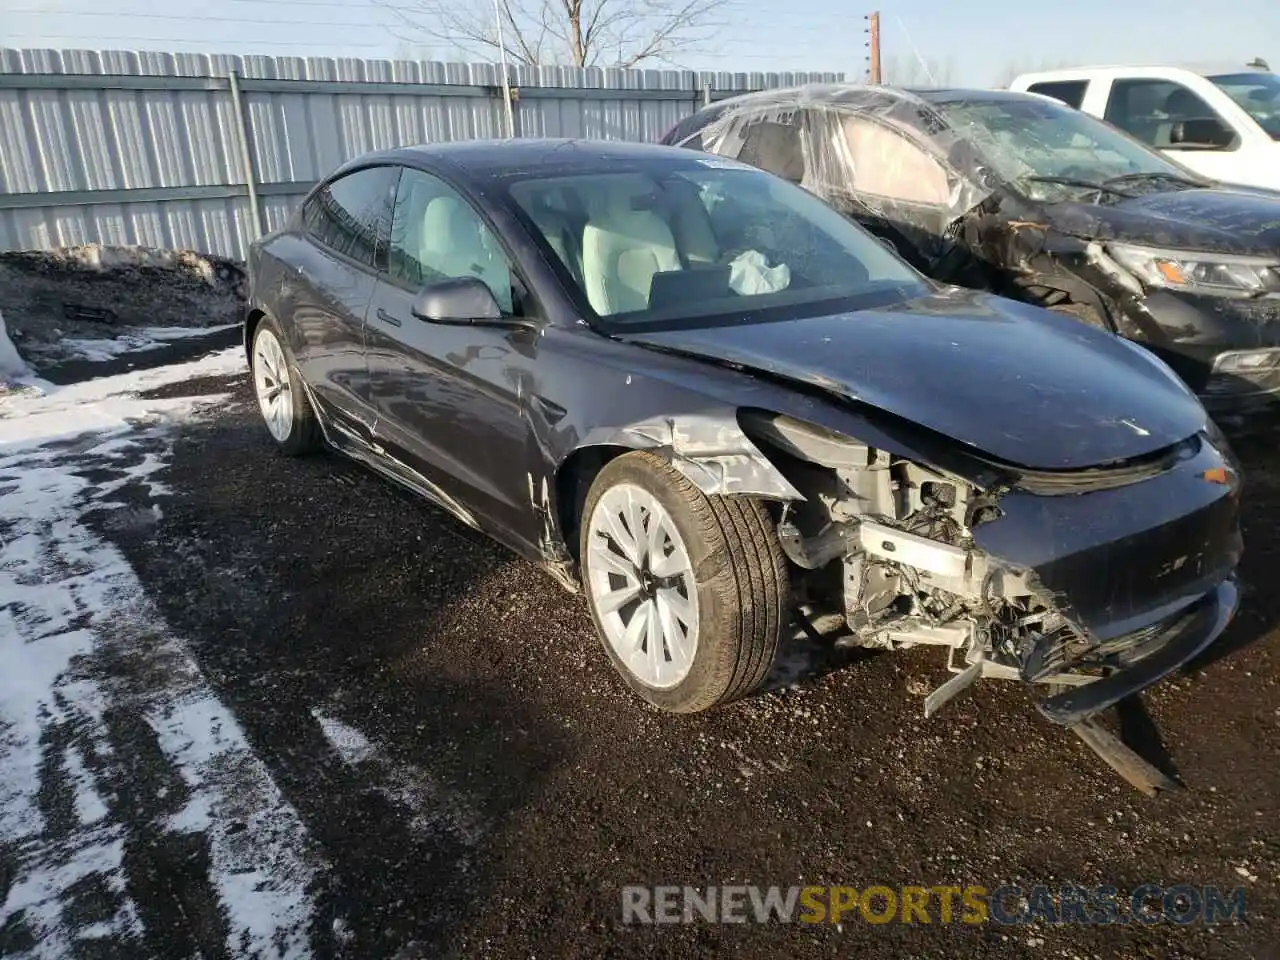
{"type": "Point", "coordinates": [473, 781]}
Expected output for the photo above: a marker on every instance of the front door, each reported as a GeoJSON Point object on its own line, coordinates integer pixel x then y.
{"type": "Point", "coordinates": [448, 398]}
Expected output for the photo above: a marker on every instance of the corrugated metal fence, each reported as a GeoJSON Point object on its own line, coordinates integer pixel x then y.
{"type": "Point", "coordinates": [179, 150]}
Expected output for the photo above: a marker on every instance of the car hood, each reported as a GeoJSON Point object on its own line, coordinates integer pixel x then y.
{"type": "Point", "coordinates": [1020, 384]}
{"type": "Point", "coordinates": [1238, 220]}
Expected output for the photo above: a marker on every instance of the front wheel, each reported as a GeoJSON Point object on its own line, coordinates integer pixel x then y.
{"type": "Point", "coordinates": [690, 593]}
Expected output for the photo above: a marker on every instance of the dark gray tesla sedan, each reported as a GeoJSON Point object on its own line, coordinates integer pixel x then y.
{"type": "Point", "coordinates": [724, 412]}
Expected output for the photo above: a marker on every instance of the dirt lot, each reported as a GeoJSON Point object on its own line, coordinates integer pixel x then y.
{"type": "Point", "coordinates": [428, 747]}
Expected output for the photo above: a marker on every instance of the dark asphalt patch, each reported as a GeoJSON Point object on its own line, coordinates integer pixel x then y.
{"type": "Point", "coordinates": [311, 585]}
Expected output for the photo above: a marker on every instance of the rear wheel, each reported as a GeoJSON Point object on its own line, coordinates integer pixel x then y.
{"type": "Point", "coordinates": [281, 399]}
{"type": "Point", "coordinates": [690, 593]}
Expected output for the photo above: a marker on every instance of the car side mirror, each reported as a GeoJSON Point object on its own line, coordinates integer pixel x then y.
{"type": "Point", "coordinates": [1203, 132]}
{"type": "Point", "coordinates": [458, 300]}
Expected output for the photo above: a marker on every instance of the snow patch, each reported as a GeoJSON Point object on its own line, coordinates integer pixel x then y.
{"type": "Point", "coordinates": [12, 366]}
{"type": "Point", "coordinates": [47, 412]}
{"type": "Point", "coordinates": [132, 340]}
{"type": "Point", "coordinates": [90, 807]}
{"type": "Point", "coordinates": [261, 880]}
{"type": "Point", "coordinates": [73, 613]}
{"type": "Point", "coordinates": [37, 894]}
{"type": "Point", "coordinates": [349, 743]}
{"type": "Point", "coordinates": [431, 807]}
{"type": "Point", "coordinates": [94, 256]}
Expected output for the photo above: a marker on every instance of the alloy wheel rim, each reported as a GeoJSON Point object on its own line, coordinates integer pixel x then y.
{"type": "Point", "coordinates": [642, 586]}
{"type": "Point", "coordinates": [274, 389]}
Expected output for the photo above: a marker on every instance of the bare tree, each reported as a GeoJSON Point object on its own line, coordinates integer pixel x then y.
{"type": "Point", "coordinates": [1015, 68]}
{"type": "Point", "coordinates": [583, 33]}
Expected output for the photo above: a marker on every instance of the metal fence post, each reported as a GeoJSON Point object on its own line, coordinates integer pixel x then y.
{"type": "Point", "coordinates": [246, 155]}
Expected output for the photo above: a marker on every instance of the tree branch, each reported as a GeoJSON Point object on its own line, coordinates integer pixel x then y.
{"type": "Point", "coordinates": [624, 33]}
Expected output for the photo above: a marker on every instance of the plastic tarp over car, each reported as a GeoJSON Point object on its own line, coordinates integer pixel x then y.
{"type": "Point", "coordinates": [858, 144]}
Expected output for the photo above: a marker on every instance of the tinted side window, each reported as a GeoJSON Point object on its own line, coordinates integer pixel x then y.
{"type": "Point", "coordinates": [437, 235]}
{"type": "Point", "coordinates": [350, 214]}
{"type": "Point", "coordinates": [688, 132]}
{"type": "Point", "coordinates": [1150, 109]}
{"type": "Point", "coordinates": [1070, 92]}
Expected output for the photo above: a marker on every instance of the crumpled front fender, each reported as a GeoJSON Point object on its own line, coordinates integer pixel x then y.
{"type": "Point", "coordinates": [711, 451]}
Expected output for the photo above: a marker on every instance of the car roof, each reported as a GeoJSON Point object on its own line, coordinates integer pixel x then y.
{"type": "Point", "coordinates": [959, 95]}
{"type": "Point", "coordinates": [1100, 71]}
{"type": "Point", "coordinates": [855, 95]}
{"type": "Point", "coordinates": [488, 159]}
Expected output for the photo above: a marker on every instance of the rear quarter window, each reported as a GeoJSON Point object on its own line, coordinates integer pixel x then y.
{"type": "Point", "coordinates": [688, 132]}
{"type": "Point", "coordinates": [351, 214]}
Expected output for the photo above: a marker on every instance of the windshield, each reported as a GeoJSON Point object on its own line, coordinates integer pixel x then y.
{"type": "Point", "coordinates": [1022, 140]}
{"type": "Point", "coordinates": [706, 243]}
{"type": "Point", "coordinates": [1258, 94]}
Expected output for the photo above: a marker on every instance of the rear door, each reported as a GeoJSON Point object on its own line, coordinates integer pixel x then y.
{"type": "Point", "coordinates": [327, 285]}
{"type": "Point", "coordinates": [448, 398]}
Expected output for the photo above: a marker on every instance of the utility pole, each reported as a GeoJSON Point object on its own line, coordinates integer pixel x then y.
{"type": "Point", "coordinates": [873, 45]}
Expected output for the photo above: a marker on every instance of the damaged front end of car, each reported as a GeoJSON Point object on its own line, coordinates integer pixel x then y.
{"type": "Point", "coordinates": [1068, 580]}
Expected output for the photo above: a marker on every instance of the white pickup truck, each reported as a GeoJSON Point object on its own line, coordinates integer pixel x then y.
{"type": "Point", "coordinates": [1223, 123]}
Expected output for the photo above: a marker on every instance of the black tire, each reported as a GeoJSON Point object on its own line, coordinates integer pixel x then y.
{"type": "Point", "coordinates": [740, 573]}
{"type": "Point", "coordinates": [304, 435]}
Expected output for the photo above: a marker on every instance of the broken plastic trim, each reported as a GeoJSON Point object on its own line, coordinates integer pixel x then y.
{"type": "Point", "coordinates": [1057, 483]}
{"type": "Point", "coordinates": [806, 441]}
{"type": "Point", "coordinates": [714, 454]}
{"type": "Point", "coordinates": [1189, 637]}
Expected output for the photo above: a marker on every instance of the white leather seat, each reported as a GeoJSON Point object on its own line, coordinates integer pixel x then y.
{"type": "Point", "coordinates": [622, 248]}
{"type": "Point", "coordinates": [693, 230]}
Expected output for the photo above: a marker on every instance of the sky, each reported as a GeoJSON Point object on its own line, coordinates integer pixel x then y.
{"type": "Point", "coordinates": [980, 43]}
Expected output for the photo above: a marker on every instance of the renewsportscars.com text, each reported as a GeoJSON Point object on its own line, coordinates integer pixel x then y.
{"type": "Point", "coordinates": [973, 904]}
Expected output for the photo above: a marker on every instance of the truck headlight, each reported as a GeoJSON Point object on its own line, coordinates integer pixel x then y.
{"type": "Point", "coordinates": [1211, 273]}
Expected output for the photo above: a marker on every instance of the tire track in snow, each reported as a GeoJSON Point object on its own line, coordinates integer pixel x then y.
{"type": "Point", "coordinates": [132, 806]}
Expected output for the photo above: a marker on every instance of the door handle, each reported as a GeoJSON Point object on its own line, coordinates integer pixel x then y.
{"type": "Point", "coordinates": [388, 318]}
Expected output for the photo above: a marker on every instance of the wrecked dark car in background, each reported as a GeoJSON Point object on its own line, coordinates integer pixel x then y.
{"type": "Point", "coordinates": [727, 413]}
{"type": "Point", "coordinates": [1029, 198]}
